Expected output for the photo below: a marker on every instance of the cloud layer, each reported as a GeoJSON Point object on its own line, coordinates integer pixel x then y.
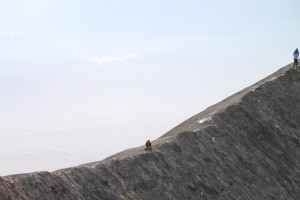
{"type": "Point", "coordinates": [12, 35]}
{"type": "Point", "coordinates": [113, 59]}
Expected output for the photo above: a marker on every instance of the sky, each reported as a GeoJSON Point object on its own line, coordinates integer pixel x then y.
{"type": "Point", "coordinates": [81, 80]}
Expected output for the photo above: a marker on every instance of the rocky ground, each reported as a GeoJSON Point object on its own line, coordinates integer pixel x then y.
{"type": "Point", "coordinates": [245, 147]}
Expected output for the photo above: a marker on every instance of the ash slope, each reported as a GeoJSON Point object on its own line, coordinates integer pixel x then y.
{"type": "Point", "coordinates": [245, 147]}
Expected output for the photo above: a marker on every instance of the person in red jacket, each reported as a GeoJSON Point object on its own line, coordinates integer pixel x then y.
{"type": "Point", "coordinates": [148, 146]}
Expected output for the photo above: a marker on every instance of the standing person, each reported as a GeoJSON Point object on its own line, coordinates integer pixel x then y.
{"type": "Point", "coordinates": [296, 56]}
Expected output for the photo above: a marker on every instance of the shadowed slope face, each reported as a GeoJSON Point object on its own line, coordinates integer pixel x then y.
{"type": "Point", "coordinates": [246, 147]}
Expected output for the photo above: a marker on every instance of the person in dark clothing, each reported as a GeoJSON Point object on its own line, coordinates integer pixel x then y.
{"type": "Point", "coordinates": [296, 56]}
{"type": "Point", "coordinates": [148, 146]}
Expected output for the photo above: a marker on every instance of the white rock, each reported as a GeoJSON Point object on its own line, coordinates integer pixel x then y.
{"type": "Point", "coordinates": [204, 120]}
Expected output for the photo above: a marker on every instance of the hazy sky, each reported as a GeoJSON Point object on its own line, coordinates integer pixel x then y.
{"type": "Point", "coordinates": [83, 79]}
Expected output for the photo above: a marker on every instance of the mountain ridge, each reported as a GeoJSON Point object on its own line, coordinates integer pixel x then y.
{"type": "Point", "coordinates": [240, 148]}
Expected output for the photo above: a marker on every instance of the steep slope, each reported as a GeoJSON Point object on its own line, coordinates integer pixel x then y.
{"type": "Point", "coordinates": [245, 147]}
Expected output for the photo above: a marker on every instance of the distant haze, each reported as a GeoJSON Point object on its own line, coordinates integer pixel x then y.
{"type": "Point", "coordinates": [82, 80]}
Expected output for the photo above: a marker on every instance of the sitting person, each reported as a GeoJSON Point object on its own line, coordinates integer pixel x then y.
{"type": "Point", "coordinates": [148, 146]}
